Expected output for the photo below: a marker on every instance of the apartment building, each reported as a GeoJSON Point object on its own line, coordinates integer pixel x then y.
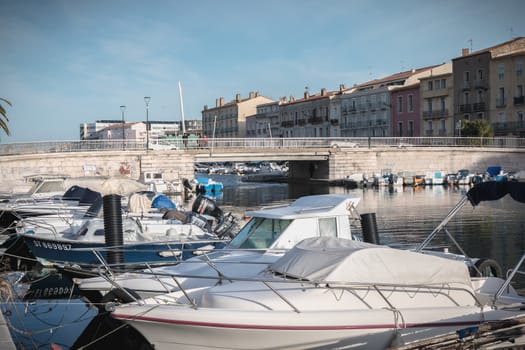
{"type": "Point", "coordinates": [437, 102]}
{"type": "Point", "coordinates": [309, 116]}
{"type": "Point", "coordinates": [482, 82]}
{"type": "Point", "coordinates": [507, 82]}
{"type": "Point", "coordinates": [229, 119]}
{"type": "Point", "coordinates": [265, 123]}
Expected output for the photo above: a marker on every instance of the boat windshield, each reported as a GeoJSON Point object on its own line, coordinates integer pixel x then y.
{"type": "Point", "coordinates": [259, 233]}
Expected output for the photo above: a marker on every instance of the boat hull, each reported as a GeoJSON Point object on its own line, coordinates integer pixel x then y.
{"type": "Point", "coordinates": [357, 329]}
{"type": "Point", "coordinates": [83, 253]}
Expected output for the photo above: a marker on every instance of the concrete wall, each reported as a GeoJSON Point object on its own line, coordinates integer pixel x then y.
{"type": "Point", "coordinates": [174, 165]}
{"type": "Point", "coordinates": [421, 160]}
{"type": "Point", "coordinates": [339, 163]}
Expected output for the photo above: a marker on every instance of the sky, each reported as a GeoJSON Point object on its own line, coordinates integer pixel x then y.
{"type": "Point", "coordinates": [66, 62]}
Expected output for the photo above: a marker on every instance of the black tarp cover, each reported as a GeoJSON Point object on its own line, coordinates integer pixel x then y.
{"type": "Point", "coordinates": [494, 190]}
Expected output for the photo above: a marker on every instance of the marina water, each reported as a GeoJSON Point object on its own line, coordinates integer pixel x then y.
{"type": "Point", "coordinates": [404, 215]}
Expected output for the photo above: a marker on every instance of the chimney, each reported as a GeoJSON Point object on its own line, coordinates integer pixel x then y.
{"type": "Point", "coordinates": [341, 87]}
{"type": "Point", "coordinates": [323, 92]}
{"type": "Point", "coordinates": [251, 95]}
{"type": "Point", "coordinates": [217, 102]}
{"type": "Point", "coordinates": [205, 107]}
{"type": "Point", "coordinates": [238, 97]}
{"type": "Point", "coordinates": [257, 94]}
{"type": "Point", "coordinates": [221, 102]}
{"type": "Point", "coordinates": [292, 99]}
{"type": "Point", "coordinates": [464, 51]}
{"type": "Point", "coordinates": [306, 95]}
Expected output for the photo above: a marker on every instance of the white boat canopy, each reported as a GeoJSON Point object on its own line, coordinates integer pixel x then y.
{"type": "Point", "coordinates": [346, 261]}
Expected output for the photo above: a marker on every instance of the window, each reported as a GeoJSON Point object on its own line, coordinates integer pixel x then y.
{"type": "Point", "coordinates": [429, 125]}
{"type": "Point", "coordinates": [410, 103]}
{"type": "Point", "coordinates": [328, 227]}
{"type": "Point", "coordinates": [480, 96]}
{"type": "Point", "coordinates": [400, 129]}
{"type": "Point", "coordinates": [410, 131]}
{"type": "Point", "coordinates": [443, 104]}
{"type": "Point", "coordinates": [466, 98]}
{"type": "Point", "coordinates": [480, 74]}
{"type": "Point", "coordinates": [519, 91]}
{"type": "Point", "coordinates": [501, 97]}
{"type": "Point", "coordinates": [519, 117]}
{"type": "Point", "coordinates": [443, 125]}
{"type": "Point", "coordinates": [501, 71]}
{"type": "Point", "coordinates": [400, 104]}
{"type": "Point", "coordinates": [429, 105]}
{"type": "Point", "coordinates": [430, 86]}
{"type": "Point", "coordinates": [259, 233]}
{"type": "Point", "coordinates": [437, 84]}
{"type": "Point", "coordinates": [466, 76]}
{"type": "Point", "coordinates": [519, 68]}
{"type": "Point", "coordinates": [443, 83]}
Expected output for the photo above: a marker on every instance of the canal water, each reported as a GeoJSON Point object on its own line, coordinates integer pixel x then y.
{"type": "Point", "coordinates": [404, 216]}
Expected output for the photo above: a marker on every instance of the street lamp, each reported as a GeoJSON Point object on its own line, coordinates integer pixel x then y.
{"type": "Point", "coordinates": [146, 100]}
{"type": "Point", "coordinates": [122, 109]}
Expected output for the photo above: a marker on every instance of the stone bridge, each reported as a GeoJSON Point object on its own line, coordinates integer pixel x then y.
{"type": "Point", "coordinates": [327, 163]}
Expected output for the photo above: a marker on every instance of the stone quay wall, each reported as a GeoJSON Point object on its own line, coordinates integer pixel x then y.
{"type": "Point", "coordinates": [420, 160]}
{"type": "Point", "coordinates": [335, 164]}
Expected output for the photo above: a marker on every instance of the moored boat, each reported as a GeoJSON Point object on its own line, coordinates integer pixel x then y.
{"type": "Point", "coordinates": [327, 294]}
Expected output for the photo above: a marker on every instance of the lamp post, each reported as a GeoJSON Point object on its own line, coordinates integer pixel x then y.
{"type": "Point", "coordinates": [122, 109]}
{"type": "Point", "coordinates": [146, 100]}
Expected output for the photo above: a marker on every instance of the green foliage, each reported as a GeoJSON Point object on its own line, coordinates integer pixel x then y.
{"type": "Point", "coordinates": [476, 128]}
{"type": "Point", "coordinates": [3, 116]}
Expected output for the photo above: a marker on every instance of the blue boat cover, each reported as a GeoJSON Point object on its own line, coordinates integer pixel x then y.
{"type": "Point", "coordinates": [493, 170]}
{"type": "Point", "coordinates": [493, 190]}
{"type": "Point", "coordinates": [162, 201]}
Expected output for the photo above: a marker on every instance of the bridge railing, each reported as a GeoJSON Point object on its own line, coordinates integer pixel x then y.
{"type": "Point", "coordinates": [259, 143]}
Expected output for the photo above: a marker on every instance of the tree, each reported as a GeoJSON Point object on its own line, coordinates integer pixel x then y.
{"type": "Point", "coordinates": [3, 116]}
{"type": "Point", "coordinates": [476, 128]}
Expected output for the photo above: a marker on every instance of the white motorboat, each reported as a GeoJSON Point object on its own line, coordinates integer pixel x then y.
{"type": "Point", "coordinates": [145, 238]}
{"type": "Point", "coordinates": [327, 293]}
{"type": "Point", "coordinates": [262, 240]}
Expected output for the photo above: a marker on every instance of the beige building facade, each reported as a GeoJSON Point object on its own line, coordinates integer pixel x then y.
{"type": "Point", "coordinates": [229, 119]}
{"type": "Point", "coordinates": [309, 116]}
{"type": "Point", "coordinates": [485, 83]}
{"type": "Point", "coordinates": [507, 80]}
{"type": "Point", "coordinates": [437, 102]}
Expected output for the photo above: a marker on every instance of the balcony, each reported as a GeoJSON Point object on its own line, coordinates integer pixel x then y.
{"type": "Point", "coordinates": [440, 113]}
{"type": "Point", "coordinates": [301, 122]}
{"type": "Point", "coordinates": [465, 108]}
{"type": "Point", "coordinates": [479, 107]}
{"type": "Point", "coordinates": [334, 121]}
{"type": "Point", "coordinates": [315, 120]}
{"type": "Point", "coordinates": [507, 127]}
{"type": "Point", "coordinates": [287, 124]}
{"type": "Point", "coordinates": [518, 100]}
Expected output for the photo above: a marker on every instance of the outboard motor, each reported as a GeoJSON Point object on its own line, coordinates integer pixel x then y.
{"type": "Point", "coordinates": [225, 226]}
{"type": "Point", "coordinates": [206, 206]}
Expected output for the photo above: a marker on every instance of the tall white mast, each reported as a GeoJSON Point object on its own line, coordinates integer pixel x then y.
{"type": "Point", "coordinates": [182, 110]}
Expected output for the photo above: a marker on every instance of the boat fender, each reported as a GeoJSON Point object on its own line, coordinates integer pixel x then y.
{"type": "Point", "coordinates": [487, 268]}
{"type": "Point", "coordinates": [369, 228]}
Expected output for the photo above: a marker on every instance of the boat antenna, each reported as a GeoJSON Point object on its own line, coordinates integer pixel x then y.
{"type": "Point", "coordinates": [182, 110]}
